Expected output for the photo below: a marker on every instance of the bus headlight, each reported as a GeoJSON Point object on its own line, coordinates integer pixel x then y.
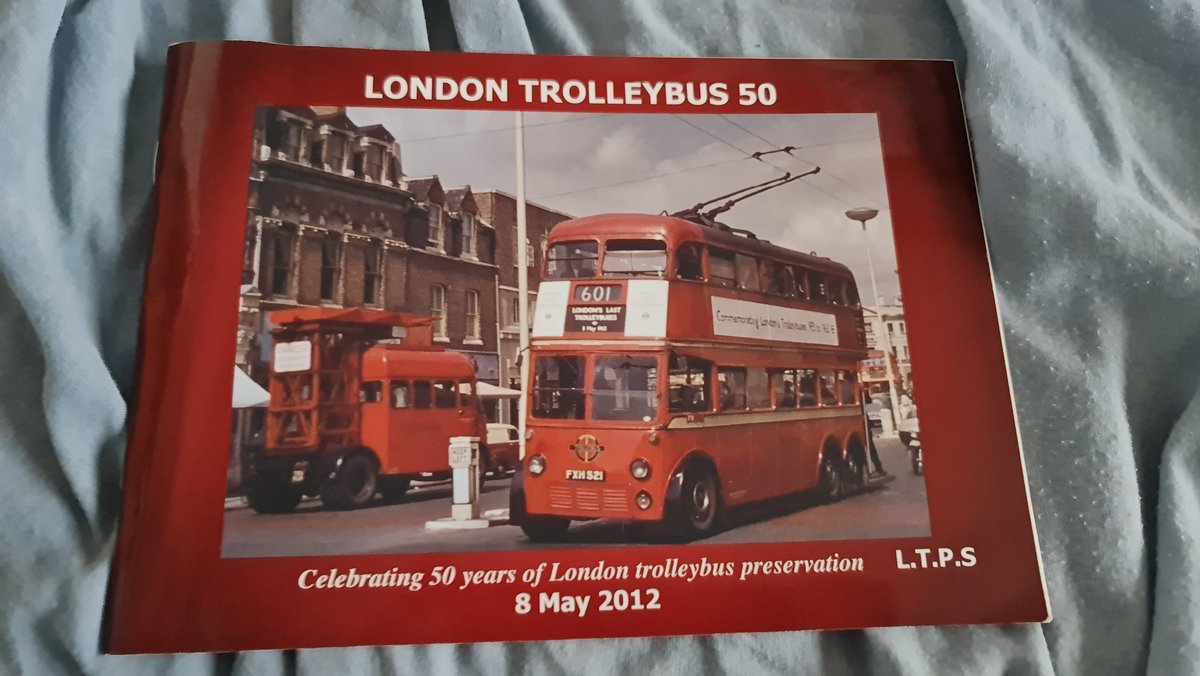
{"type": "Point", "coordinates": [640, 469]}
{"type": "Point", "coordinates": [537, 465]}
{"type": "Point", "coordinates": [643, 500]}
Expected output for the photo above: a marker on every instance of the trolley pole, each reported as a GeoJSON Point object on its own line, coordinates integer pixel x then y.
{"type": "Point", "coordinates": [522, 284]}
{"type": "Point", "coordinates": [862, 215]}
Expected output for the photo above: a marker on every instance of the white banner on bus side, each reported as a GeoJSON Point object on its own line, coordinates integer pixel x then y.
{"type": "Point", "coordinates": [551, 314]}
{"type": "Point", "coordinates": [646, 308]}
{"type": "Point", "coordinates": [746, 319]}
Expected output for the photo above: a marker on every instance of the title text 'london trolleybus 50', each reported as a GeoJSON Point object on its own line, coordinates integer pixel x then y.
{"type": "Point", "coordinates": [681, 367]}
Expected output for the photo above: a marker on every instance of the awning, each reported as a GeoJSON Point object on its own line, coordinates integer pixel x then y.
{"type": "Point", "coordinates": [490, 391]}
{"type": "Point", "coordinates": [246, 392]}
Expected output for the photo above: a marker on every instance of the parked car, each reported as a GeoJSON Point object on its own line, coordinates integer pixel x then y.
{"type": "Point", "coordinates": [504, 448]}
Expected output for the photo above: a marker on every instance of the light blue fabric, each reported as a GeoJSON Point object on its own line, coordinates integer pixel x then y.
{"type": "Point", "coordinates": [1088, 152]}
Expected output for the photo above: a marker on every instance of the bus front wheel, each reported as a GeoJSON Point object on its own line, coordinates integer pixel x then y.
{"type": "Point", "coordinates": [354, 486]}
{"type": "Point", "coordinates": [544, 528]}
{"type": "Point", "coordinates": [697, 504]}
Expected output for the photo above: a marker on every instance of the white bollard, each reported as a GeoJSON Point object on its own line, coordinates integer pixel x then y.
{"type": "Point", "coordinates": [464, 470]}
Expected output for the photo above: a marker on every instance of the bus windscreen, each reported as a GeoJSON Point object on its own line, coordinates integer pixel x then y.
{"type": "Point", "coordinates": [572, 260]}
{"type": "Point", "coordinates": [635, 257]}
{"type": "Point", "coordinates": [625, 388]}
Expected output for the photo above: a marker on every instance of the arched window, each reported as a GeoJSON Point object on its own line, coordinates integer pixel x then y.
{"type": "Point", "coordinates": [437, 309]}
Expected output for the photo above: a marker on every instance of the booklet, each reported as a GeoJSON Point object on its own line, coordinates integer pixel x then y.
{"type": "Point", "coordinates": [478, 347]}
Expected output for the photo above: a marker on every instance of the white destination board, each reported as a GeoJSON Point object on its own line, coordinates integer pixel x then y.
{"type": "Point", "coordinates": [292, 357]}
{"type": "Point", "coordinates": [746, 319]}
{"type": "Point", "coordinates": [646, 308]}
{"type": "Point", "coordinates": [551, 313]}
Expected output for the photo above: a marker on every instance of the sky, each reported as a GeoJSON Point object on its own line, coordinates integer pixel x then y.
{"type": "Point", "coordinates": [586, 164]}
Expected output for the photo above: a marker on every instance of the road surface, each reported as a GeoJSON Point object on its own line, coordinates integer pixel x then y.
{"type": "Point", "coordinates": [890, 509]}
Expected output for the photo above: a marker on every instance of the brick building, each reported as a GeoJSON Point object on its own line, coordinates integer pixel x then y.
{"type": "Point", "coordinates": [333, 221]}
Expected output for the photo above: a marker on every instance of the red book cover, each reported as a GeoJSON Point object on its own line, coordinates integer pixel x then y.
{"type": "Point", "coordinates": [476, 347]}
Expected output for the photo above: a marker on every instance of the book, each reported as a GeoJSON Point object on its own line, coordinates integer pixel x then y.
{"type": "Point", "coordinates": [485, 347]}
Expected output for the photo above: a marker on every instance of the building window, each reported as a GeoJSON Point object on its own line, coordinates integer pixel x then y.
{"type": "Point", "coordinates": [528, 253]}
{"type": "Point", "coordinates": [372, 274]}
{"type": "Point", "coordinates": [276, 263]}
{"type": "Point", "coordinates": [468, 235]}
{"type": "Point", "coordinates": [331, 263]}
{"type": "Point", "coordinates": [335, 155]}
{"type": "Point", "coordinates": [435, 227]}
{"type": "Point", "coordinates": [473, 325]}
{"type": "Point", "coordinates": [437, 309]}
{"type": "Point", "coordinates": [516, 312]}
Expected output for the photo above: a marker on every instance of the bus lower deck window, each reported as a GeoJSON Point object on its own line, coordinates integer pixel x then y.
{"type": "Point", "coordinates": [370, 392]}
{"type": "Point", "coordinates": [400, 394]}
{"type": "Point", "coordinates": [758, 389]}
{"type": "Point", "coordinates": [688, 387]}
{"type": "Point", "coordinates": [828, 389]}
{"type": "Point", "coordinates": [732, 384]}
{"type": "Point", "coordinates": [635, 258]}
{"type": "Point", "coordinates": [625, 388]}
{"type": "Point", "coordinates": [558, 387]}
{"type": "Point", "coordinates": [848, 381]}
{"type": "Point", "coordinates": [807, 384]}
{"type": "Point", "coordinates": [422, 394]}
{"type": "Point", "coordinates": [444, 395]}
{"type": "Point", "coordinates": [783, 385]}
{"type": "Point", "coordinates": [572, 260]}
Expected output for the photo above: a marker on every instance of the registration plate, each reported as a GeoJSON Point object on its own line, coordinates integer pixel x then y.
{"type": "Point", "coordinates": [585, 475]}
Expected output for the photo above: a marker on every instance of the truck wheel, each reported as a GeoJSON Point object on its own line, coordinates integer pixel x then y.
{"type": "Point", "coordinates": [697, 507]}
{"type": "Point", "coordinates": [484, 465]}
{"type": "Point", "coordinates": [544, 528]}
{"type": "Point", "coordinates": [273, 497]}
{"type": "Point", "coordinates": [354, 486]}
{"type": "Point", "coordinates": [393, 489]}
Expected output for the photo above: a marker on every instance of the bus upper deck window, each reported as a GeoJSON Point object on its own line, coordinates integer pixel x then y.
{"type": "Point", "coordinates": [836, 291]}
{"type": "Point", "coordinates": [635, 258]}
{"type": "Point", "coordinates": [625, 388]}
{"type": "Point", "coordinates": [732, 384]}
{"type": "Point", "coordinates": [721, 270]}
{"type": "Point", "coordinates": [572, 260]}
{"type": "Point", "coordinates": [747, 273]}
{"type": "Point", "coordinates": [852, 298]}
{"type": "Point", "coordinates": [688, 390]}
{"type": "Point", "coordinates": [688, 262]}
{"type": "Point", "coordinates": [800, 277]}
{"type": "Point", "coordinates": [773, 277]}
{"type": "Point", "coordinates": [817, 289]}
{"type": "Point", "coordinates": [558, 387]}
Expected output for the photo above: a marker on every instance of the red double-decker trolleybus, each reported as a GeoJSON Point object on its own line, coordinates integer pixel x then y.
{"type": "Point", "coordinates": [681, 367]}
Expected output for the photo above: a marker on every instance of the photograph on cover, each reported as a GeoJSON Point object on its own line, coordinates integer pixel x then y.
{"type": "Point", "coordinates": [717, 346]}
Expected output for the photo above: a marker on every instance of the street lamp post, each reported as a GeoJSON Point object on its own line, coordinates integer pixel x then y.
{"type": "Point", "coordinates": [862, 215]}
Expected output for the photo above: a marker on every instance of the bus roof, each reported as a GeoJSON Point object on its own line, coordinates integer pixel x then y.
{"type": "Point", "coordinates": [397, 361]}
{"type": "Point", "coordinates": [681, 230]}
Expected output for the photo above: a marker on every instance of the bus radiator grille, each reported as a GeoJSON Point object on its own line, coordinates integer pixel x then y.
{"type": "Point", "coordinates": [589, 499]}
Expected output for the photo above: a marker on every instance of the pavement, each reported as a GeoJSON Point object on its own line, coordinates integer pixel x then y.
{"type": "Point", "coordinates": [890, 508]}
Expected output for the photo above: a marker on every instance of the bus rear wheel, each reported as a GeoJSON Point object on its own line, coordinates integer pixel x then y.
{"type": "Point", "coordinates": [831, 484]}
{"type": "Point", "coordinates": [544, 528]}
{"type": "Point", "coordinates": [697, 504]}
{"type": "Point", "coordinates": [354, 486]}
{"type": "Point", "coordinates": [273, 497]}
